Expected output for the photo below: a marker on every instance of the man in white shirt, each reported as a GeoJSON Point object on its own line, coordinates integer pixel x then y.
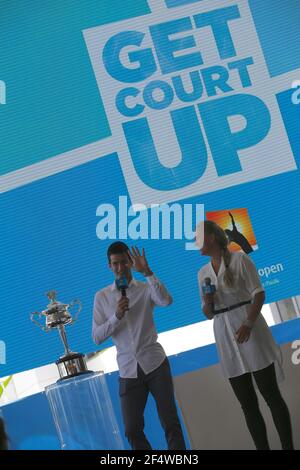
{"type": "Point", "coordinates": [143, 364]}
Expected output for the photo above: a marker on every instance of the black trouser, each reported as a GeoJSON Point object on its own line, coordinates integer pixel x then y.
{"type": "Point", "coordinates": [267, 384]}
{"type": "Point", "coordinates": [134, 394]}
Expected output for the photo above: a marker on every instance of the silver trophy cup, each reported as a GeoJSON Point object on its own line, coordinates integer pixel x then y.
{"type": "Point", "coordinates": [57, 315]}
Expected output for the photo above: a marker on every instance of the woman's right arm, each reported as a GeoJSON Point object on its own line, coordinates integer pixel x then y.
{"type": "Point", "coordinates": [207, 307]}
{"type": "Point", "coordinates": [206, 300]}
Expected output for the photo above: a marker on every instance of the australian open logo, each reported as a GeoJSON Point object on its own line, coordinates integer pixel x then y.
{"type": "Point", "coordinates": [189, 100]}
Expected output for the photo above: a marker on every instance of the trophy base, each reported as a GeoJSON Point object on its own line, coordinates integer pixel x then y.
{"type": "Point", "coordinates": [71, 365]}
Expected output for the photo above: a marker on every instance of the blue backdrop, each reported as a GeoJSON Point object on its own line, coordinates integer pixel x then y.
{"type": "Point", "coordinates": [49, 225]}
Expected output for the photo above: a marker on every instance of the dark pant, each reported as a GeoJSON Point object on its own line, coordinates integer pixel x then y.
{"type": "Point", "coordinates": [134, 394]}
{"type": "Point", "coordinates": [267, 384]}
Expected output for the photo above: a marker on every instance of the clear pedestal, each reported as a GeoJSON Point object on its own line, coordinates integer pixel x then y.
{"type": "Point", "coordinates": [83, 413]}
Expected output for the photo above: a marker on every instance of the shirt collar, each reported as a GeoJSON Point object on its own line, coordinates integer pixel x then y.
{"type": "Point", "coordinates": [221, 269]}
{"type": "Point", "coordinates": [132, 283]}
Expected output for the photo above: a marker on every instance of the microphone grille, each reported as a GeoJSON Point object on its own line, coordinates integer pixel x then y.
{"type": "Point", "coordinates": [122, 282]}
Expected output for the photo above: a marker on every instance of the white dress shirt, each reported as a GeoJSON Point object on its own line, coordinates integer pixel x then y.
{"type": "Point", "coordinates": [260, 350]}
{"type": "Point", "coordinates": [134, 335]}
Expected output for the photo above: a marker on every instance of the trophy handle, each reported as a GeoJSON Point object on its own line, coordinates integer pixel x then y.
{"type": "Point", "coordinates": [79, 305]}
{"type": "Point", "coordinates": [44, 328]}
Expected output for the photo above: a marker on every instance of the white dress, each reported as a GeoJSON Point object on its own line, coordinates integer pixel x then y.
{"type": "Point", "coordinates": [260, 350]}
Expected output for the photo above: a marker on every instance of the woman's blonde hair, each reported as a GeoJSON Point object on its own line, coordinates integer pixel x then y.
{"type": "Point", "coordinates": [211, 227]}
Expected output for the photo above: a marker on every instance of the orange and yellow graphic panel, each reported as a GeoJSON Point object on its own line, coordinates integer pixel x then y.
{"type": "Point", "coordinates": [238, 227]}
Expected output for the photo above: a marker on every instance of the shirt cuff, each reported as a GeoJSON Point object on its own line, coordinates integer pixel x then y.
{"type": "Point", "coordinates": [257, 290]}
{"type": "Point", "coordinates": [152, 279]}
{"type": "Point", "coordinates": [114, 320]}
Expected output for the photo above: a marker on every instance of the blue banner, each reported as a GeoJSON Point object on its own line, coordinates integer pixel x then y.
{"type": "Point", "coordinates": [115, 108]}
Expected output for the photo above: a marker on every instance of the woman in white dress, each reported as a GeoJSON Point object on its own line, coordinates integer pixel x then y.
{"type": "Point", "coordinates": [244, 341]}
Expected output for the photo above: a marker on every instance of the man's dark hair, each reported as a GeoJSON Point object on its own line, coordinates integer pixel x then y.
{"type": "Point", "coordinates": [117, 248]}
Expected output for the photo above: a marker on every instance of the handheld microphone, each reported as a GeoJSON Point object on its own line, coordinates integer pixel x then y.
{"type": "Point", "coordinates": [209, 288]}
{"type": "Point", "coordinates": [122, 284]}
